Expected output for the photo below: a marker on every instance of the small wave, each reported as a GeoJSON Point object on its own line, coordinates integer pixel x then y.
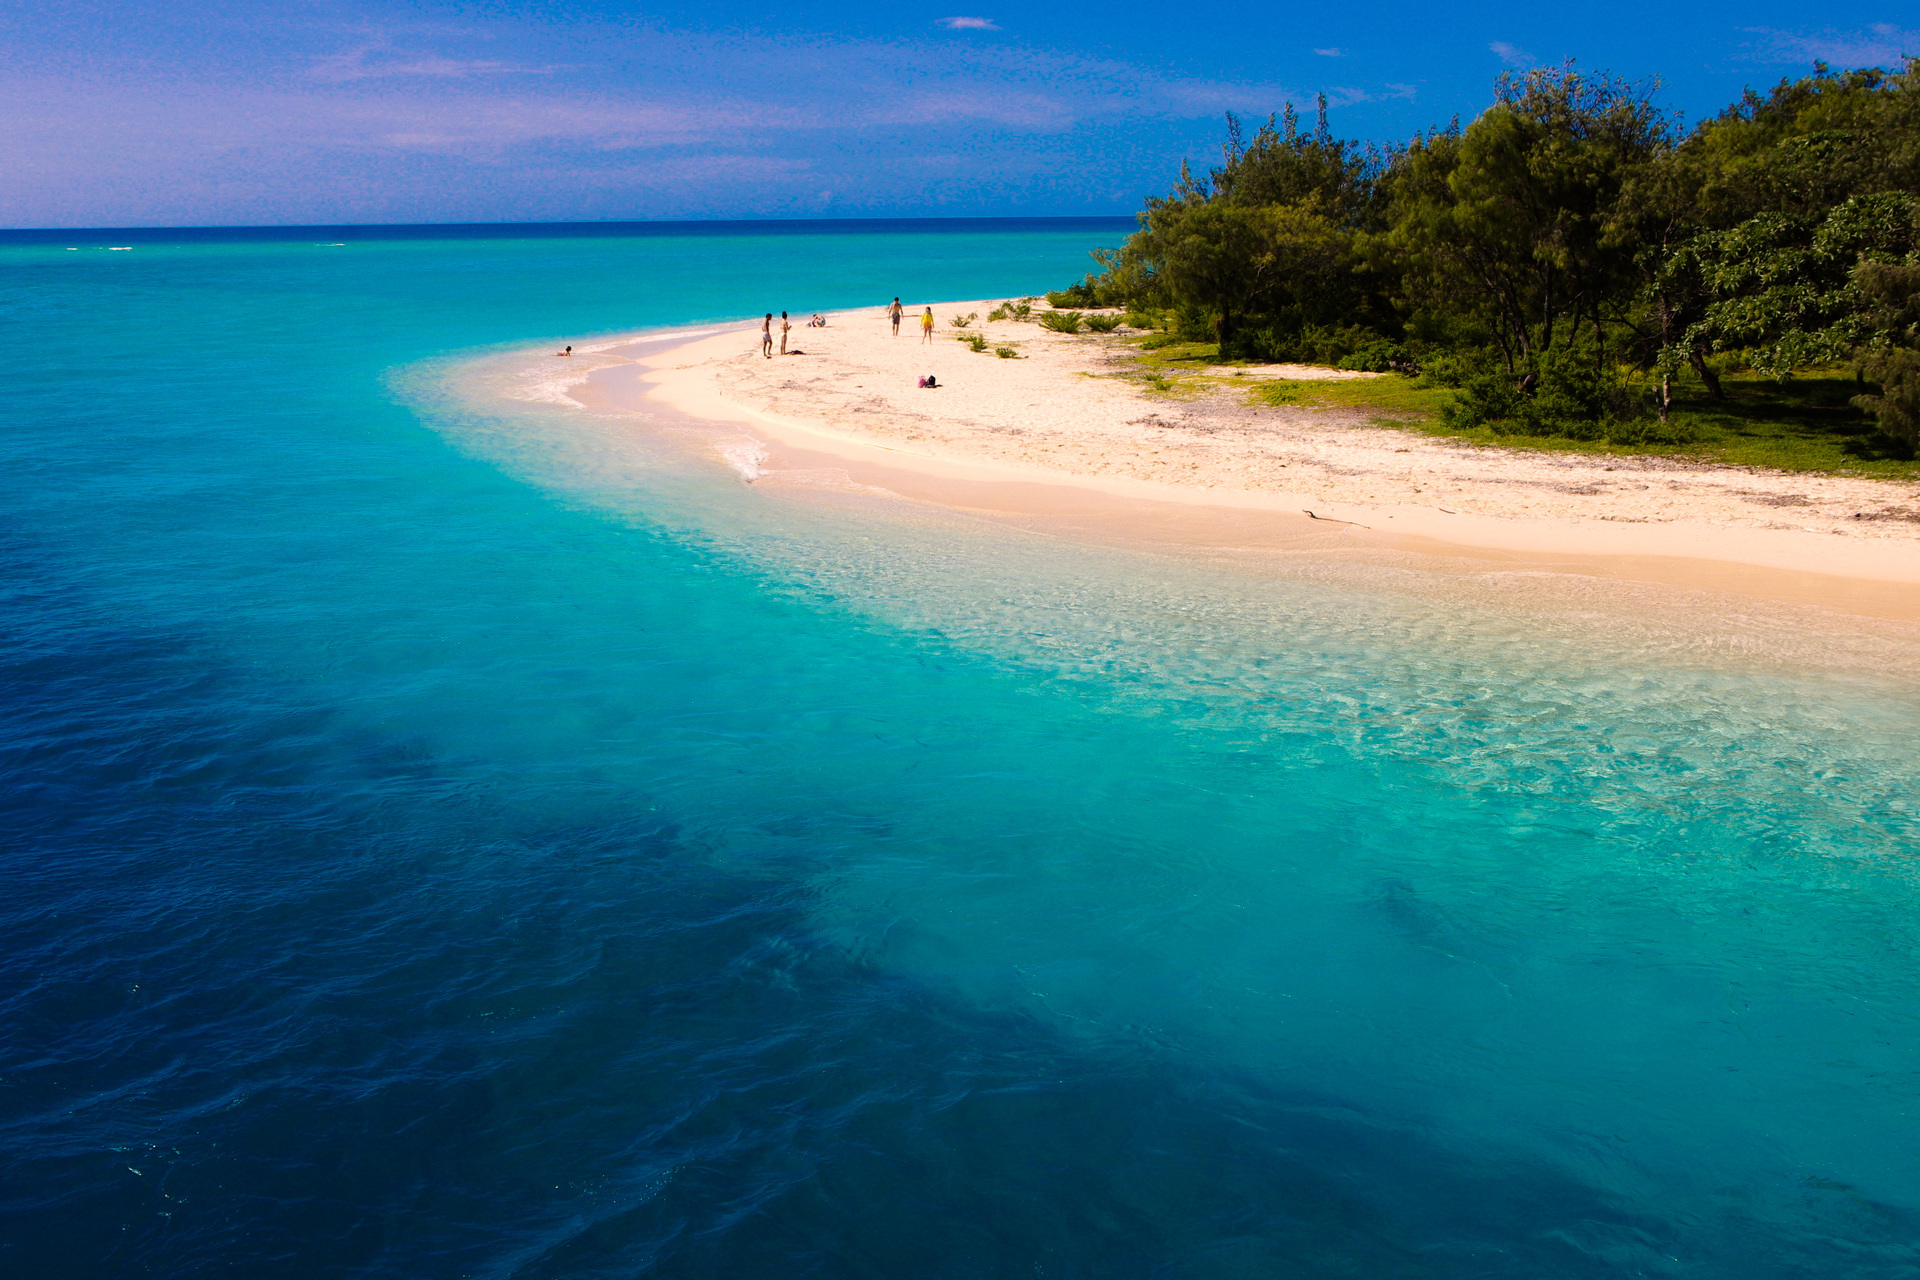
{"type": "Point", "coordinates": [119, 248]}
{"type": "Point", "coordinates": [550, 391]}
{"type": "Point", "coordinates": [745, 456]}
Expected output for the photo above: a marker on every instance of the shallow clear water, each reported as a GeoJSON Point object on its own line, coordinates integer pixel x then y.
{"type": "Point", "coordinates": [452, 835]}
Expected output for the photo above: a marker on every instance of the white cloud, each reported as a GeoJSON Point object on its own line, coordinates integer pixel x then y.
{"type": "Point", "coordinates": [1513, 55]}
{"type": "Point", "coordinates": [969, 24]}
{"type": "Point", "coordinates": [1331, 53]}
{"type": "Point", "coordinates": [1879, 45]}
{"type": "Point", "coordinates": [378, 61]}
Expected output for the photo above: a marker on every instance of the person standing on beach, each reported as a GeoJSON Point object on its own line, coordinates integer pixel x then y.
{"type": "Point", "coordinates": [786, 325]}
{"type": "Point", "coordinates": [894, 313]}
{"type": "Point", "coordinates": [926, 325]}
{"type": "Point", "coordinates": [766, 336]}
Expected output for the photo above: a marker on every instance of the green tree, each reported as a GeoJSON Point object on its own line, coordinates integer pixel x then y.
{"type": "Point", "coordinates": [1893, 354]}
{"type": "Point", "coordinates": [1239, 259]}
{"type": "Point", "coordinates": [1512, 219]}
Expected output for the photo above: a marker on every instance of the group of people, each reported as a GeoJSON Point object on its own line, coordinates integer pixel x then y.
{"type": "Point", "coordinates": [786, 326]}
{"type": "Point", "coordinates": [894, 313]}
{"type": "Point", "coordinates": [926, 321]}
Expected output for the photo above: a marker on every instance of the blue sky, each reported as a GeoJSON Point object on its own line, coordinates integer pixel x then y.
{"type": "Point", "coordinates": [220, 112]}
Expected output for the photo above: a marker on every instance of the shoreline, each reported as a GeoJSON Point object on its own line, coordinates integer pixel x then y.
{"type": "Point", "coordinates": [1056, 443]}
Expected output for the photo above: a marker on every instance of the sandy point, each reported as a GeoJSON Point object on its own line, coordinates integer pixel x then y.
{"type": "Point", "coordinates": [1066, 435]}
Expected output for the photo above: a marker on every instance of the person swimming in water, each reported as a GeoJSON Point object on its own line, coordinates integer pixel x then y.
{"type": "Point", "coordinates": [567, 352]}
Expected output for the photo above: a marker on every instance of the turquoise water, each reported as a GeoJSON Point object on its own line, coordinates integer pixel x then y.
{"type": "Point", "coordinates": [454, 835]}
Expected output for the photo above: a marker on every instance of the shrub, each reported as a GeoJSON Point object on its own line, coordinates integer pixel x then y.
{"type": "Point", "coordinates": [961, 322]}
{"type": "Point", "coordinates": [1194, 323]}
{"type": "Point", "coordinates": [1139, 320]}
{"type": "Point", "coordinates": [1568, 398]}
{"type": "Point", "coordinates": [1897, 407]}
{"type": "Point", "coordinates": [1379, 356]}
{"type": "Point", "coordinates": [978, 341]}
{"type": "Point", "coordinates": [1014, 310]}
{"type": "Point", "coordinates": [1006, 353]}
{"type": "Point", "coordinates": [1103, 324]}
{"type": "Point", "coordinates": [1061, 321]}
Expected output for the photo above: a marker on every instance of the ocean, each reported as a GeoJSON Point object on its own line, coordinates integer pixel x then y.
{"type": "Point", "coordinates": [454, 835]}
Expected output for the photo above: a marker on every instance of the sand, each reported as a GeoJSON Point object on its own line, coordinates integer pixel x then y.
{"type": "Point", "coordinates": [1068, 432]}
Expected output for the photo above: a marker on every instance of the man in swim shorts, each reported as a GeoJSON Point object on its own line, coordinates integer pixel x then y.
{"type": "Point", "coordinates": [766, 336]}
{"type": "Point", "coordinates": [894, 313]}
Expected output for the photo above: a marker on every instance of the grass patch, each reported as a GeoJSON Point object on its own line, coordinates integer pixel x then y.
{"type": "Point", "coordinates": [1805, 423]}
{"type": "Point", "coordinates": [1163, 349]}
{"type": "Point", "coordinates": [1393, 399]}
{"type": "Point", "coordinates": [1799, 424]}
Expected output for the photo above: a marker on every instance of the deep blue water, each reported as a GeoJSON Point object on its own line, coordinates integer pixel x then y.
{"type": "Point", "coordinates": [447, 837]}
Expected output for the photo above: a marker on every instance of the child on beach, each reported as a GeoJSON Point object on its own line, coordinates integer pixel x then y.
{"type": "Point", "coordinates": [766, 336]}
{"type": "Point", "coordinates": [926, 325]}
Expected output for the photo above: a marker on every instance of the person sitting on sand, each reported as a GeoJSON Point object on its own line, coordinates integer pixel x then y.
{"type": "Point", "coordinates": [893, 313]}
{"type": "Point", "coordinates": [818, 322]}
{"type": "Point", "coordinates": [786, 327]}
{"type": "Point", "coordinates": [567, 352]}
{"type": "Point", "coordinates": [926, 325]}
{"type": "Point", "coordinates": [766, 336]}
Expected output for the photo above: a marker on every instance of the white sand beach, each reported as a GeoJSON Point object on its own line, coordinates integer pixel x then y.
{"type": "Point", "coordinates": [1068, 437]}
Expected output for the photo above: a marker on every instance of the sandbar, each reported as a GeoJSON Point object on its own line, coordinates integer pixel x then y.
{"type": "Point", "coordinates": [1067, 437]}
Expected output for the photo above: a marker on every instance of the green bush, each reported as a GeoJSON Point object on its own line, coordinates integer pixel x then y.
{"type": "Point", "coordinates": [1562, 396]}
{"type": "Point", "coordinates": [1103, 324]}
{"type": "Point", "coordinates": [1061, 321]}
{"type": "Point", "coordinates": [1015, 310]}
{"type": "Point", "coordinates": [1194, 323]}
{"type": "Point", "coordinates": [1140, 320]}
{"type": "Point", "coordinates": [978, 341]}
{"type": "Point", "coordinates": [1380, 356]}
{"type": "Point", "coordinates": [1006, 353]}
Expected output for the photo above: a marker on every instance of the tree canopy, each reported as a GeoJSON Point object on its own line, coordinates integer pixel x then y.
{"type": "Point", "coordinates": [1572, 234]}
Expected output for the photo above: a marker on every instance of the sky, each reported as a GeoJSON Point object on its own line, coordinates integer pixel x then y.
{"type": "Point", "coordinates": [223, 112]}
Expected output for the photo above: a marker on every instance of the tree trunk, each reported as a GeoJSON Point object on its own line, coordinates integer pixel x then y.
{"type": "Point", "coordinates": [1666, 395]}
{"type": "Point", "coordinates": [1707, 375]}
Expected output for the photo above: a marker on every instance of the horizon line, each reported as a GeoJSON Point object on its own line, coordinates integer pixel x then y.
{"type": "Point", "coordinates": [579, 225]}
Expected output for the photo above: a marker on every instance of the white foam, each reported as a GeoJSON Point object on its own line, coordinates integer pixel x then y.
{"type": "Point", "coordinates": [551, 390]}
{"type": "Point", "coordinates": [745, 455]}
